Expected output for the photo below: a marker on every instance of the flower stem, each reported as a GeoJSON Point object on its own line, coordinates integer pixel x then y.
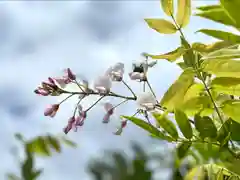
{"type": "Point", "coordinates": [96, 93]}
{"type": "Point", "coordinates": [95, 103]}
{"type": "Point", "coordinates": [150, 87]}
{"type": "Point", "coordinates": [129, 88]}
{"type": "Point", "coordinates": [79, 86]}
{"type": "Point", "coordinates": [66, 98]}
{"type": "Point", "coordinates": [120, 103]}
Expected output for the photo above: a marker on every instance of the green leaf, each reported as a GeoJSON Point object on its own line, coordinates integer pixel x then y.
{"type": "Point", "coordinates": [209, 7]}
{"type": "Point", "coordinates": [203, 48]}
{"type": "Point", "coordinates": [183, 148]}
{"type": "Point", "coordinates": [173, 97]}
{"type": "Point", "coordinates": [226, 36]}
{"type": "Point", "coordinates": [11, 176]}
{"type": "Point", "coordinates": [144, 125]}
{"type": "Point", "coordinates": [183, 12]}
{"type": "Point", "coordinates": [183, 123]}
{"type": "Point", "coordinates": [220, 175]}
{"type": "Point", "coordinates": [223, 54]}
{"type": "Point", "coordinates": [166, 124]}
{"type": "Point", "coordinates": [182, 65]}
{"type": "Point", "coordinates": [205, 126]}
{"type": "Point", "coordinates": [161, 26]}
{"type": "Point", "coordinates": [54, 143]}
{"type": "Point", "coordinates": [223, 131]}
{"type": "Point", "coordinates": [194, 91]}
{"type": "Point", "coordinates": [235, 129]}
{"type": "Point", "coordinates": [200, 104]}
{"type": "Point", "coordinates": [167, 6]}
{"type": "Point", "coordinates": [226, 85]}
{"type": "Point", "coordinates": [27, 167]}
{"type": "Point", "coordinates": [68, 142]}
{"type": "Point", "coordinates": [222, 67]}
{"type": "Point", "coordinates": [39, 146]}
{"type": "Point", "coordinates": [231, 7]}
{"type": "Point", "coordinates": [188, 56]}
{"type": "Point", "coordinates": [231, 109]}
{"type": "Point", "coordinates": [197, 173]}
{"type": "Point", "coordinates": [217, 15]}
{"type": "Point", "coordinates": [170, 56]}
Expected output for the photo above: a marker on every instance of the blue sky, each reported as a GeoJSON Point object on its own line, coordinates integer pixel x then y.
{"type": "Point", "coordinates": [40, 39]}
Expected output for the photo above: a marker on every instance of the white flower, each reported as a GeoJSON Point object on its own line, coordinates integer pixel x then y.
{"type": "Point", "coordinates": [136, 76]}
{"type": "Point", "coordinates": [146, 101]}
{"type": "Point", "coordinates": [103, 84]}
{"type": "Point", "coordinates": [116, 72]}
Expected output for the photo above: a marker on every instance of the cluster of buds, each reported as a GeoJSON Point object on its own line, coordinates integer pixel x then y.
{"type": "Point", "coordinates": [101, 87]}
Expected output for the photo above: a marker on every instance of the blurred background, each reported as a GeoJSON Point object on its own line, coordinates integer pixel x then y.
{"type": "Point", "coordinates": [40, 38]}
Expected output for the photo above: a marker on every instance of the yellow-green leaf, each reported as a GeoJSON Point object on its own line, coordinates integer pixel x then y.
{"type": "Point", "coordinates": [183, 123]}
{"type": "Point", "coordinates": [222, 35]}
{"type": "Point", "coordinates": [205, 126]}
{"type": "Point", "coordinates": [231, 108]}
{"type": "Point", "coordinates": [222, 67]}
{"type": "Point", "coordinates": [161, 26]}
{"type": "Point", "coordinates": [166, 124]}
{"type": "Point", "coordinates": [226, 85]}
{"type": "Point", "coordinates": [54, 143]}
{"type": "Point", "coordinates": [188, 56]}
{"type": "Point", "coordinates": [167, 6]}
{"type": "Point", "coordinates": [183, 12]}
{"type": "Point", "coordinates": [209, 7]}
{"type": "Point", "coordinates": [183, 148]}
{"type": "Point", "coordinates": [220, 175]}
{"type": "Point", "coordinates": [200, 104]}
{"type": "Point", "coordinates": [231, 7]}
{"type": "Point", "coordinates": [68, 142]}
{"type": "Point", "coordinates": [197, 173]}
{"type": "Point", "coordinates": [173, 97]}
{"type": "Point", "coordinates": [39, 146]}
{"type": "Point", "coordinates": [203, 48]}
{"type": "Point", "coordinates": [170, 56]}
{"type": "Point", "coordinates": [144, 125]}
{"type": "Point", "coordinates": [217, 15]}
{"type": "Point", "coordinates": [223, 54]}
{"type": "Point", "coordinates": [194, 91]}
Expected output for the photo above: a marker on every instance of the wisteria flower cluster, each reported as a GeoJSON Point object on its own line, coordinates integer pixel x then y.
{"type": "Point", "coordinates": [101, 87]}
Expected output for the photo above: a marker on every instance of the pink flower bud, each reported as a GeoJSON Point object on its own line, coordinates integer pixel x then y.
{"type": "Point", "coordinates": [68, 128]}
{"type": "Point", "coordinates": [120, 130]}
{"type": "Point", "coordinates": [51, 110]}
{"type": "Point", "coordinates": [51, 81]}
{"type": "Point", "coordinates": [70, 74]}
{"type": "Point", "coordinates": [106, 118]}
{"type": "Point", "coordinates": [109, 108]}
{"type": "Point", "coordinates": [109, 111]}
{"type": "Point", "coordinates": [41, 91]}
{"type": "Point", "coordinates": [62, 81]}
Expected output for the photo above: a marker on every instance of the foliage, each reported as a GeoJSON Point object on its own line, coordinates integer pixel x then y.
{"type": "Point", "coordinates": [199, 111]}
{"type": "Point", "coordinates": [38, 146]}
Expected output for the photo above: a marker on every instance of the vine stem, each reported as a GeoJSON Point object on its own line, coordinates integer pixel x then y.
{"type": "Point", "coordinates": [204, 83]}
